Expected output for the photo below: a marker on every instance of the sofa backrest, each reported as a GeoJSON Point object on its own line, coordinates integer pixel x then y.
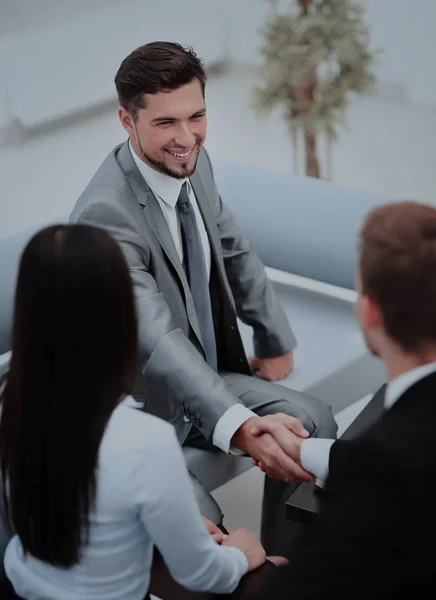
{"type": "Point", "coordinates": [11, 249]}
{"type": "Point", "coordinates": [305, 226]}
{"type": "Point", "coordinates": [10, 252]}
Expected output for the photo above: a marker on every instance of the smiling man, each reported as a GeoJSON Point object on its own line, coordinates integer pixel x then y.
{"type": "Point", "coordinates": [194, 272]}
{"type": "Point", "coordinates": [164, 138]}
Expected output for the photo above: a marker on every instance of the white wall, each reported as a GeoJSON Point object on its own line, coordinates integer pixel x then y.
{"type": "Point", "coordinates": [22, 15]}
{"type": "Point", "coordinates": [405, 30]}
{"type": "Point", "coordinates": [54, 64]}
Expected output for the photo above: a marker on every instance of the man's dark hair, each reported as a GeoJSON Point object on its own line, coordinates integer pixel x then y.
{"type": "Point", "coordinates": [398, 270]}
{"type": "Point", "coordinates": [154, 68]}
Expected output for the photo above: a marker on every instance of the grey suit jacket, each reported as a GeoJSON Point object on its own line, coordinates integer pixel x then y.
{"type": "Point", "coordinates": [174, 380]}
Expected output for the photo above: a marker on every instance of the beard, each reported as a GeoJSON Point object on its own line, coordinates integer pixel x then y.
{"type": "Point", "coordinates": [186, 170]}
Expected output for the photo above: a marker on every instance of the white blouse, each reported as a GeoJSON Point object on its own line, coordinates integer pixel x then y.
{"type": "Point", "coordinates": [144, 497]}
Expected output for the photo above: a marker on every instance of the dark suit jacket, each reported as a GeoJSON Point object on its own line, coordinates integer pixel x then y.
{"type": "Point", "coordinates": [375, 535]}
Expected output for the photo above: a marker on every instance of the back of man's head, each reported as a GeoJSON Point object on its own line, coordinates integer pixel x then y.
{"type": "Point", "coordinates": [398, 271]}
{"type": "Point", "coordinates": [153, 68]}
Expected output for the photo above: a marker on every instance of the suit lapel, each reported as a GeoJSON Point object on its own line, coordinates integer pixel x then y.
{"type": "Point", "coordinates": [156, 220]}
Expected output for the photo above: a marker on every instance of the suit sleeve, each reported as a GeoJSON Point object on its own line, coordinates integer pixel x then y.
{"type": "Point", "coordinates": [352, 548]}
{"type": "Point", "coordinates": [256, 302]}
{"type": "Point", "coordinates": [165, 353]}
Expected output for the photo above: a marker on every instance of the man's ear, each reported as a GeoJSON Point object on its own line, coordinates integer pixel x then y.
{"type": "Point", "coordinates": [126, 120]}
{"type": "Point", "coordinates": [371, 313]}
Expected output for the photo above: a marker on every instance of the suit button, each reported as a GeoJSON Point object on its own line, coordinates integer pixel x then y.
{"type": "Point", "coordinates": [232, 327]}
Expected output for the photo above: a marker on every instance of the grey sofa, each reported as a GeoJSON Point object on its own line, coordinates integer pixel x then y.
{"type": "Point", "coordinates": [305, 231]}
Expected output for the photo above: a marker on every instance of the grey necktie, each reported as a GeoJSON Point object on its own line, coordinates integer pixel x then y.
{"type": "Point", "coordinates": [195, 265]}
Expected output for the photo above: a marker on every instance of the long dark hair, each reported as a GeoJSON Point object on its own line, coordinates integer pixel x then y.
{"type": "Point", "coordinates": [73, 359]}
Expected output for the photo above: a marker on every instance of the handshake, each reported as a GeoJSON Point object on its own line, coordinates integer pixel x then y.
{"type": "Point", "coordinates": [274, 443]}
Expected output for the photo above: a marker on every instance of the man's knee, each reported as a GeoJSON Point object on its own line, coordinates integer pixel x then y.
{"type": "Point", "coordinates": [326, 426]}
{"type": "Point", "coordinates": [269, 398]}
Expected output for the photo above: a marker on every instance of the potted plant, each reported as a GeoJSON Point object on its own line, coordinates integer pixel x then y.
{"type": "Point", "coordinates": [315, 54]}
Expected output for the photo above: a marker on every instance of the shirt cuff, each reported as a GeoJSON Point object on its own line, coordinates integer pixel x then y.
{"type": "Point", "coordinates": [228, 425]}
{"type": "Point", "coordinates": [240, 558]}
{"type": "Point", "coordinates": [315, 456]}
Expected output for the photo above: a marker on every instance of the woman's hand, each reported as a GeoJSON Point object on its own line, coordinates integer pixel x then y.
{"type": "Point", "coordinates": [248, 544]}
{"type": "Point", "coordinates": [214, 531]}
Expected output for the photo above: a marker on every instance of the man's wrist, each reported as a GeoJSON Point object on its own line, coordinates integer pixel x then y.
{"type": "Point", "coordinates": [227, 426]}
{"type": "Point", "coordinates": [240, 436]}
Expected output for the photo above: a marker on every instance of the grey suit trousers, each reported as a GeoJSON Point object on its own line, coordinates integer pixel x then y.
{"type": "Point", "coordinates": [264, 398]}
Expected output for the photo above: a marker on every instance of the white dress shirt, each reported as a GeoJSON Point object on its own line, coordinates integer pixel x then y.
{"type": "Point", "coordinates": [315, 453]}
{"type": "Point", "coordinates": [144, 498]}
{"type": "Point", "coordinates": [167, 189]}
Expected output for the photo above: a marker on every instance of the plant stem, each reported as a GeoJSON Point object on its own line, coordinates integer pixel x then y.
{"type": "Point", "coordinates": [312, 166]}
{"type": "Point", "coordinates": [295, 157]}
{"type": "Point", "coordinates": [305, 96]}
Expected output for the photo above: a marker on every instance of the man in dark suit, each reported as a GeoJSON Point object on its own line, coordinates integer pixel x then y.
{"type": "Point", "coordinates": [375, 534]}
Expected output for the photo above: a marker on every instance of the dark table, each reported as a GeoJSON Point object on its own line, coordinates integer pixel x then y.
{"type": "Point", "coordinates": [302, 506]}
{"type": "Point", "coordinates": [163, 586]}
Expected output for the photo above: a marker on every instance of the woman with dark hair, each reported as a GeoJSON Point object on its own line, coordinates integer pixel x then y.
{"type": "Point", "coordinates": [90, 483]}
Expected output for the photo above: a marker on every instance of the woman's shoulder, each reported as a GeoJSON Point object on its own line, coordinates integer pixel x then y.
{"type": "Point", "coordinates": [131, 429]}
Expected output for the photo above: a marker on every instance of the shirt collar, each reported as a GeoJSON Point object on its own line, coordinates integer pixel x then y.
{"type": "Point", "coordinates": [166, 187]}
{"type": "Point", "coordinates": [398, 386]}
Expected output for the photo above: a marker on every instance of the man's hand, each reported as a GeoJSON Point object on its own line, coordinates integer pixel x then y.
{"type": "Point", "coordinates": [283, 429]}
{"type": "Point", "coordinates": [214, 531]}
{"type": "Point", "coordinates": [278, 561]}
{"type": "Point", "coordinates": [272, 369]}
{"type": "Point", "coordinates": [260, 444]}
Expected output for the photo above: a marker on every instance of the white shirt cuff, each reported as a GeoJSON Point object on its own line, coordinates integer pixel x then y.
{"type": "Point", "coordinates": [228, 425]}
{"type": "Point", "coordinates": [315, 456]}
